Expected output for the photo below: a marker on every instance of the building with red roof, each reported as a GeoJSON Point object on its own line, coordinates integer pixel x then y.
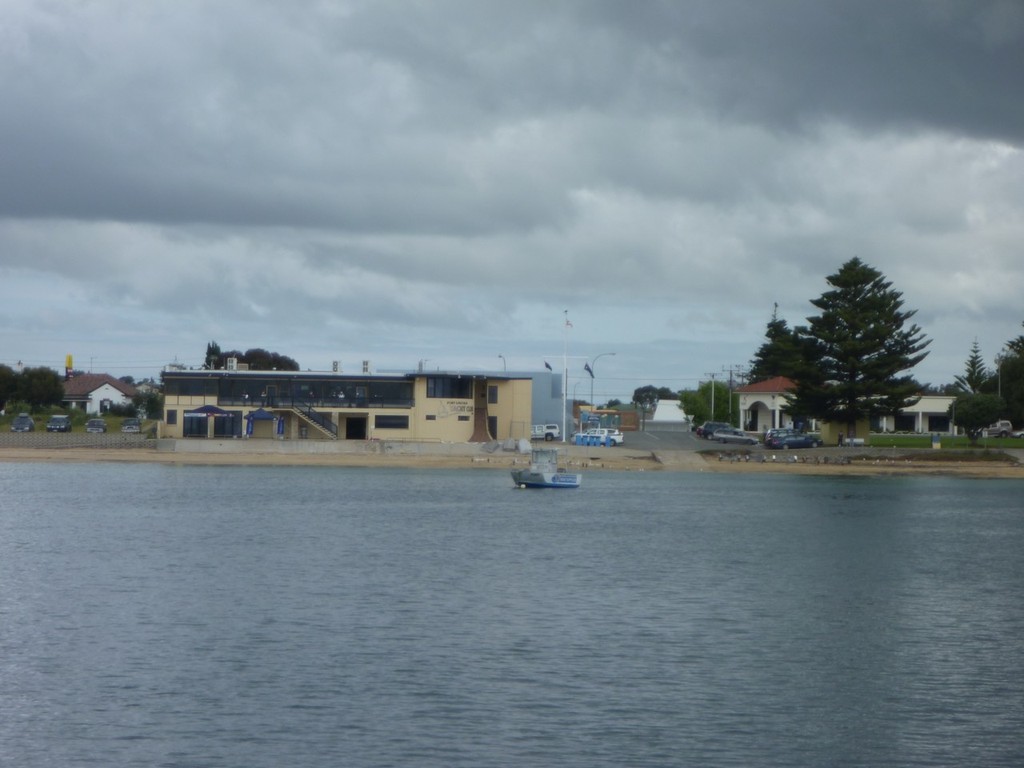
{"type": "Point", "coordinates": [761, 404]}
{"type": "Point", "coordinates": [96, 392]}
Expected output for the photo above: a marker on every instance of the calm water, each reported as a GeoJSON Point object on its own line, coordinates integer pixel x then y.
{"type": "Point", "coordinates": [188, 616]}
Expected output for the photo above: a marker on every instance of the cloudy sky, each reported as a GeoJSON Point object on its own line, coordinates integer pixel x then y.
{"type": "Point", "coordinates": [399, 181]}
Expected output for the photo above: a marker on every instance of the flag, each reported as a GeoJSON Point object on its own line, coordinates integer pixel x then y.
{"type": "Point", "coordinates": [568, 323]}
{"type": "Point", "coordinates": [548, 366]}
{"type": "Point", "coordinates": [588, 369]}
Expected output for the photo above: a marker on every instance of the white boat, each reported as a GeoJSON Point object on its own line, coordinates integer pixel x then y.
{"type": "Point", "coordinates": [544, 472]}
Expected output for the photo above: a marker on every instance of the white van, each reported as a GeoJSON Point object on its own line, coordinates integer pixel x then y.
{"type": "Point", "coordinates": [547, 432]}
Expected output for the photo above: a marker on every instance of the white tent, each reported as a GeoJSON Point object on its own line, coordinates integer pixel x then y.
{"type": "Point", "coordinates": [668, 412]}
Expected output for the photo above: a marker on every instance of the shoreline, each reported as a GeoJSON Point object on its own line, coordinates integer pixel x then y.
{"type": "Point", "coordinates": [463, 456]}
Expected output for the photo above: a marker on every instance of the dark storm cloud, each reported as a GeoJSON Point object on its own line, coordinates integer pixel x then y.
{"type": "Point", "coordinates": [877, 64]}
{"type": "Point", "coordinates": [399, 171]}
{"type": "Point", "coordinates": [417, 117]}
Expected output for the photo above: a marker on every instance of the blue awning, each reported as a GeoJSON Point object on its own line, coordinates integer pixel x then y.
{"type": "Point", "coordinates": [208, 410]}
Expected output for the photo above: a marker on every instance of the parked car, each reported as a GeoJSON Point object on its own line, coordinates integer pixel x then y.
{"type": "Point", "coordinates": [96, 425]}
{"type": "Point", "coordinates": [1001, 428]}
{"type": "Point", "coordinates": [794, 440]}
{"type": "Point", "coordinates": [131, 425]}
{"type": "Point", "coordinates": [547, 432]}
{"type": "Point", "coordinates": [708, 428]}
{"type": "Point", "coordinates": [59, 423]}
{"type": "Point", "coordinates": [23, 423]}
{"type": "Point", "coordinates": [610, 437]}
{"type": "Point", "coordinates": [778, 432]}
{"type": "Point", "coordinates": [734, 435]}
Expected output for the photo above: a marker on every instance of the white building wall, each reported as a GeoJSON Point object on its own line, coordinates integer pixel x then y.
{"type": "Point", "coordinates": [769, 410]}
{"type": "Point", "coordinates": [105, 392]}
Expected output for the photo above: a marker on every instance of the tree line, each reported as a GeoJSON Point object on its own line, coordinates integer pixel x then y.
{"type": "Point", "coordinates": [256, 359]}
{"type": "Point", "coordinates": [30, 389]}
{"type": "Point", "coordinates": [38, 389]}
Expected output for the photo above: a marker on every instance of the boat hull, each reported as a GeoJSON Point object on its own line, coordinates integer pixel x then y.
{"type": "Point", "coordinates": [525, 478]}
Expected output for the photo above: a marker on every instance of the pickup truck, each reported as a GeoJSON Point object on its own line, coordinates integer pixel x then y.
{"type": "Point", "coordinates": [610, 437]}
{"type": "Point", "coordinates": [547, 432]}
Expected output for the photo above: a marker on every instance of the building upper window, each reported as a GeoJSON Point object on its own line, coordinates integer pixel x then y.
{"type": "Point", "coordinates": [449, 386]}
{"type": "Point", "coordinates": [232, 388]}
{"type": "Point", "coordinates": [198, 387]}
{"type": "Point", "coordinates": [492, 394]}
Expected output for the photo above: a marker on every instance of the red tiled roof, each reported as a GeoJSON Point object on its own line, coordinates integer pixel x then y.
{"type": "Point", "coordinates": [83, 384]}
{"type": "Point", "coordinates": [776, 384]}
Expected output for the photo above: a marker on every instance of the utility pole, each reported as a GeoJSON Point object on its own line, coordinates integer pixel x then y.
{"type": "Point", "coordinates": [739, 372]}
{"type": "Point", "coordinates": [712, 375]}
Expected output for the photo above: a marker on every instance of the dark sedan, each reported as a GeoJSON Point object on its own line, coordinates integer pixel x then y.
{"type": "Point", "coordinates": [778, 432]}
{"type": "Point", "coordinates": [708, 428]}
{"type": "Point", "coordinates": [23, 423]}
{"type": "Point", "coordinates": [59, 423]}
{"type": "Point", "coordinates": [793, 440]}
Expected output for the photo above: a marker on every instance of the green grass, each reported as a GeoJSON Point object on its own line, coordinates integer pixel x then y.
{"type": "Point", "coordinates": [946, 442]}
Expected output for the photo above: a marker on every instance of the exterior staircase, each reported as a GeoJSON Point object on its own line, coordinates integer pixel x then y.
{"type": "Point", "coordinates": [316, 420]}
{"type": "Point", "coordinates": [480, 432]}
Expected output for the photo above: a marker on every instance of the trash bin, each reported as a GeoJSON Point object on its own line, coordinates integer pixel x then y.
{"type": "Point", "coordinates": [936, 443]}
{"type": "Point", "coordinates": [303, 431]}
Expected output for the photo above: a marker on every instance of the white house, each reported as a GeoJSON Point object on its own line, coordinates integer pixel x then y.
{"type": "Point", "coordinates": [929, 414]}
{"type": "Point", "coordinates": [96, 392]}
{"type": "Point", "coordinates": [761, 405]}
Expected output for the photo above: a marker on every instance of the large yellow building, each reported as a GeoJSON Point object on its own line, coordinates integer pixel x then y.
{"type": "Point", "coordinates": [436, 406]}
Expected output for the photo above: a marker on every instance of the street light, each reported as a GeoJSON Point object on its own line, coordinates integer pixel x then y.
{"type": "Point", "coordinates": [590, 369]}
{"type": "Point", "coordinates": [504, 367]}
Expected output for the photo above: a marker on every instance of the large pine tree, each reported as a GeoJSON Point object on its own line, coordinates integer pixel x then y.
{"type": "Point", "coordinates": [976, 375]}
{"type": "Point", "coordinates": [858, 350]}
{"type": "Point", "coordinates": [780, 355]}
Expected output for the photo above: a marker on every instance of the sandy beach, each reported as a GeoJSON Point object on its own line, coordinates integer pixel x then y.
{"type": "Point", "coordinates": [449, 456]}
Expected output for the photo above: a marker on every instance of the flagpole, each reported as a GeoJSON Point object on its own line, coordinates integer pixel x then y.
{"type": "Point", "coordinates": [565, 373]}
